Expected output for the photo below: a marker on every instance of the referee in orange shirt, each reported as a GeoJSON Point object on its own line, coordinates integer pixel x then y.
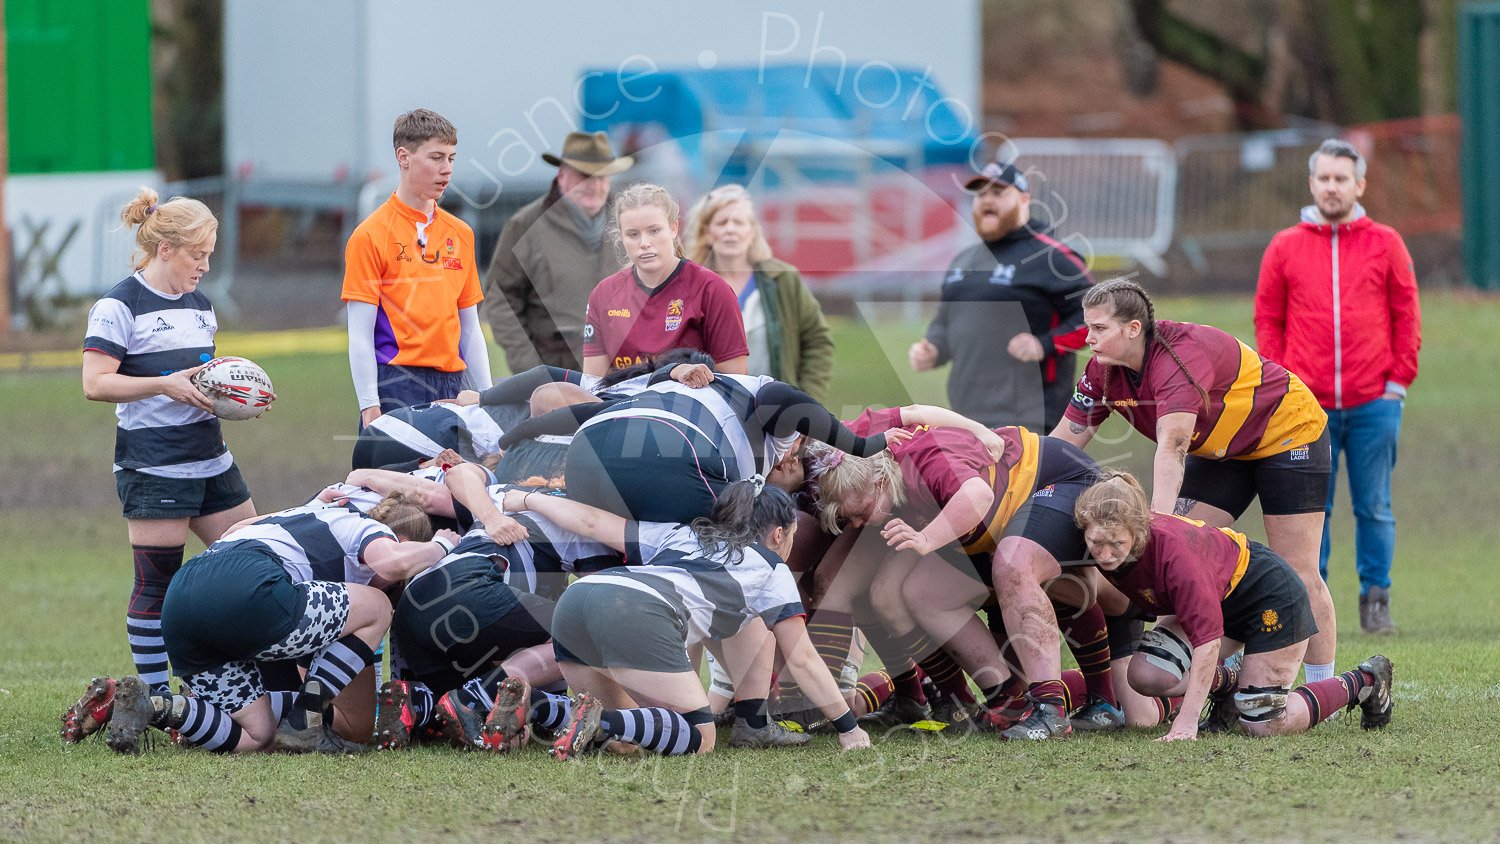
{"type": "Point", "coordinates": [411, 283]}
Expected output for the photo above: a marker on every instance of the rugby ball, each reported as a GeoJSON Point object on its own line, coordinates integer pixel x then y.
{"type": "Point", "coordinates": [238, 387]}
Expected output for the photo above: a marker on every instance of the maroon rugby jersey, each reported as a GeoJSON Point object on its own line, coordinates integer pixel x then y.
{"type": "Point", "coordinates": [1186, 570]}
{"type": "Point", "coordinates": [693, 309]}
{"type": "Point", "coordinates": [937, 461]}
{"type": "Point", "coordinates": [1255, 407]}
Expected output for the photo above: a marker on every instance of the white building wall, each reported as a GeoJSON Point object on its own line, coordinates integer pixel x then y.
{"type": "Point", "coordinates": [313, 87]}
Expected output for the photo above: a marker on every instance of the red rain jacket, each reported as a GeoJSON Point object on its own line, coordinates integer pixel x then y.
{"type": "Point", "coordinates": [1338, 306]}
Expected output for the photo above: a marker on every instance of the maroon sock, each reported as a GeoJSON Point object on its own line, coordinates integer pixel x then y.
{"type": "Point", "coordinates": [831, 634]}
{"type": "Point", "coordinates": [1087, 636]}
{"type": "Point", "coordinates": [1077, 685]}
{"type": "Point", "coordinates": [873, 689]}
{"type": "Point", "coordinates": [897, 652]}
{"type": "Point", "coordinates": [1050, 691]}
{"type": "Point", "coordinates": [1011, 702]}
{"type": "Point", "coordinates": [1226, 679]}
{"type": "Point", "coordinates": [1167, 708]}
{"type": "Point", "coordinates": [1326, 697]}
{"type": "Point", "coordinates": [947, 676]}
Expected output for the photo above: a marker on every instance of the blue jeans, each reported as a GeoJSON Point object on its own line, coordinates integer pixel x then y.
{"type": "Point", "coordinates": [1367, 435]}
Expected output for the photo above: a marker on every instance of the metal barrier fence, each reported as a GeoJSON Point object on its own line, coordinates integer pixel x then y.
{"type": "Point", "coordinates": [1127, 198]}
{"type": "Point", "coordinates": [1104, 197]}
{"type": "Point", "coordinates": [1238, 190]}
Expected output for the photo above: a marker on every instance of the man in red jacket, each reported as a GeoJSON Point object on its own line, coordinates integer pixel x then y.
{"type": "Point", "coordinates": [1337, 305]}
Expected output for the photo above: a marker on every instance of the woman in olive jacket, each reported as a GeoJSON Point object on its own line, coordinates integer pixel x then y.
{"type": "Point", "coordinates": [789, 339]}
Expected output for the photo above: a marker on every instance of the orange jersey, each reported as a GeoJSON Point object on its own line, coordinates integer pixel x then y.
{"type": "Point", "coordinates": [418, 283]}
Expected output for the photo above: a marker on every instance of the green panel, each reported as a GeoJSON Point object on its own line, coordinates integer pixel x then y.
{"type": "Point", "coordinates": [1479, 108]}
{"type": "Point", "coordinates": [79, 85]}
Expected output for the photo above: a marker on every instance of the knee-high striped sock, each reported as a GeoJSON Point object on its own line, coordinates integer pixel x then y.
{"type": "Point", "coordinates": [1077, 683]}
{"type": "Point", "coordinates": [1087, 637]}
{"type": "Point", "coordinates": [1167, 708]}
{"type": "Point", "coordinates": [549, 711]}
{"type": "Point", "coordinates": [154, 567]}
{"type": "Point", "coordinates": [832, 634]}
{"type": "Point", "coordinates": [872, 690]}
{"type": "Point", "coordinates": [895, 653]}
{"type": "Point", "coordinates": [945, 674]}
{"type": "Point", "coordinates": [1325, 697]}
{"type": "Point", "coordinates": [479, 692]}
{"type": "Point", "coordinates": [332, 669]}
{"type": "Point", "coordinates": [281, 703]}
{"type": "Point", "coordinates": [655, 729]}
{"type": "Point", "coordinates": [205, 725]}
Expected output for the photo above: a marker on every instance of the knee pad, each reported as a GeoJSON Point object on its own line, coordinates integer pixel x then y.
{"type": "Point", "coordinates": [1261, 704]}
{"type": "Point", "coordinates": [698, 717]}
{"type": "Point", "coordinates": [1167, 651]}
{"type": "Point", "coordinates": [1124, 635]}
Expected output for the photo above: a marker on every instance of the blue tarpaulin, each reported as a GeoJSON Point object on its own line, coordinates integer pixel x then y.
{"type": "Point", "coordinates": [897, 113]}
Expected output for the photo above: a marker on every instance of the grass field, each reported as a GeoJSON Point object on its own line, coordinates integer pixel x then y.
{"type": "Point", "coordinates": [1434, 774]}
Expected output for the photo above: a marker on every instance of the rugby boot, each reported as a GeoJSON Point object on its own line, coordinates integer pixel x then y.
{"type": "Point", "coordinates": [135, 710]}
{"type": "Point", "coordinates": [580, 736]}
{"type": "Point", "coordinates": [1375, 706]}
{"type": "Point", "coordinates": [897, 711]}
{"type": "Point", "coordinates": [394, 721]}
{"type": "Point", "coordinates": [1045, 721]}
{"type": "Point", "coordinates": [460, 724]}
{"type": "Point", "coordinates": [315, 733]}
{"type": "Point", "coordinates": [773, 734]}
{"type": "Point", "coordinates": [1375, 612]}
{"type": "Point", "coordinates": [1221, 715]}
{"type": "Point", "coordinates": [314, 739]}
{"type": "Point", "coordinates": [508, 726]}
{"type": "Point", "coordinates": [91, 712]}
{"type": "Point", "coordinates": [953, 714]}
{"type": "Point", "coordinates": [1097, 715]}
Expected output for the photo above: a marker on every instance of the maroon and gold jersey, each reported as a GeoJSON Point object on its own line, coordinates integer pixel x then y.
{"type": "Point", "coordinates": [1255, 407]}
{"type": "Point", "coordinates": [937, 461]}
{"type": "Point", "coordinates": [693, 309]}
{"type": "Point", "coordinates": [1187, 569]}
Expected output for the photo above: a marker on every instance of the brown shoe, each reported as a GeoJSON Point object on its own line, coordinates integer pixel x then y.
{"type": "Point", "coordinates": [1375, 612]}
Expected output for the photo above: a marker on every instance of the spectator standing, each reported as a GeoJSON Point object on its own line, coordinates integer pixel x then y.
{"type": "Point", "coordinates": [1011, 312]}
{"type": "Point", "coordinates": [784, 325]}
{"type": "Point", "coordinates": [1337, 304]}
{"type": "Point", "coordinates": [550, 255]}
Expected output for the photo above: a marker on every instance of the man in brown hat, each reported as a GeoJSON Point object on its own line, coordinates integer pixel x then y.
{"type": "Point", "coordinates": [550, 256]}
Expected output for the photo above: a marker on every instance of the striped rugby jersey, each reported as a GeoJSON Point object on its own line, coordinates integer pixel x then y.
{"type": "Point", "coordinates": [427, 429]}
{"type": "Point", "coordinates": [152, 334]}
{"type": "Point", "coordinates": [712, 595]}
{"type": "Point", "coordinates": [364, 499]}
{"type": "Point", "coordinates": [548, 550]}
{"type": "Point", "coordinates": [720, 412]}
{"type": "Point", "coordinates": [313, 543]}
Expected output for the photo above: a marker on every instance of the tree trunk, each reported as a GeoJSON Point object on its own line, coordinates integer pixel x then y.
{"type": "Point", "coordinates": [1241, 73]}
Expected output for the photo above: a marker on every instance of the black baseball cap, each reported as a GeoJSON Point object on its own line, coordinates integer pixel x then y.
{"type": "Point", "coordinates": [1001, 174]}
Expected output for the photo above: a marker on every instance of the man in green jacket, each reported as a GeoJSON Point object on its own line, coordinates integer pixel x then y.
{"type": "Point", "coordinates": [551, 254]}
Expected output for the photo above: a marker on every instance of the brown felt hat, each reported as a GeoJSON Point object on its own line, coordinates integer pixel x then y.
{"type": "Point", "coordinates": [589, 153]}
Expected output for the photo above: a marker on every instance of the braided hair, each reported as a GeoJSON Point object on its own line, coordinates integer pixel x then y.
{"type": "Point", "coordinates": [1128, 301]}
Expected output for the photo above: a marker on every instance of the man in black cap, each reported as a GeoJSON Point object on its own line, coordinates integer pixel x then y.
{"type": "Point", "coordinates": [550, 256]}
{"type": "Point", "coordinates": [1011, 314]}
